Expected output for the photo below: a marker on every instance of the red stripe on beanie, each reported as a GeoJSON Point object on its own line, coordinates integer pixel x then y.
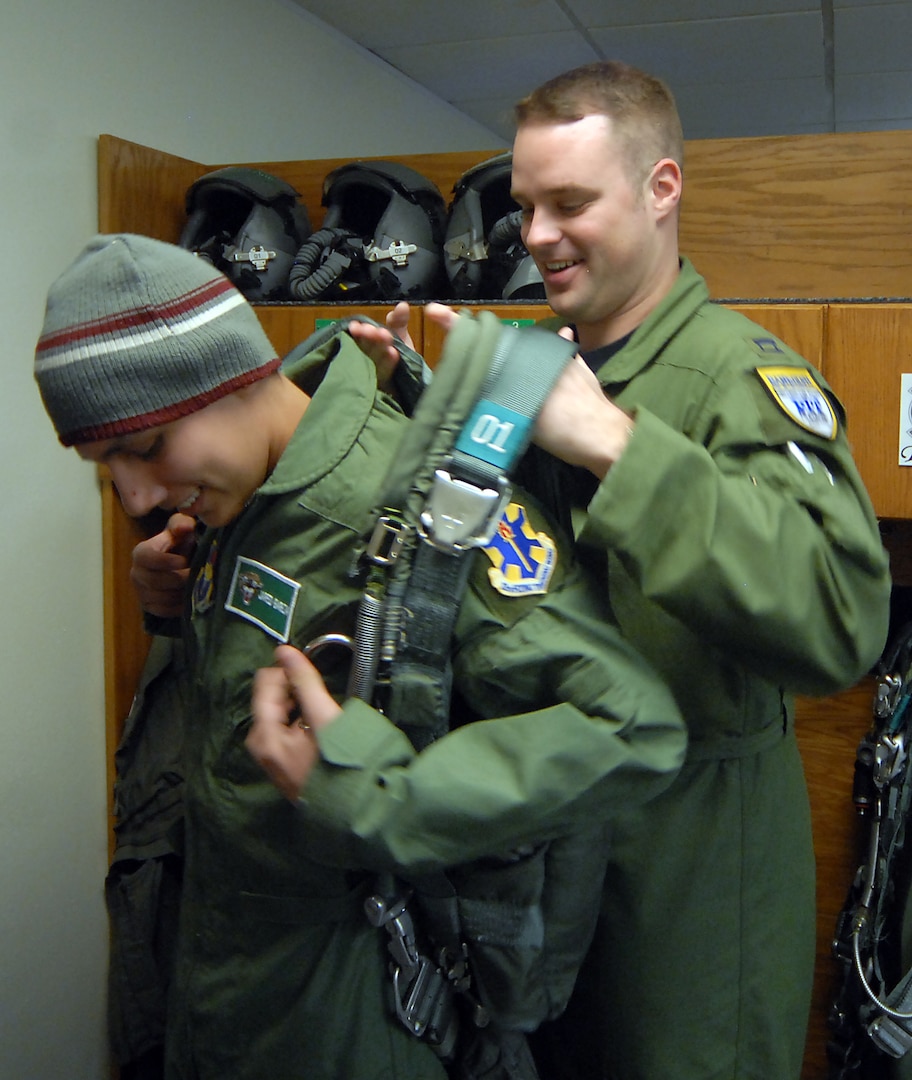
{"type": "Point", "coordinates": [140, 316]}
{"type": "Point", "coordinates": [168, 413]}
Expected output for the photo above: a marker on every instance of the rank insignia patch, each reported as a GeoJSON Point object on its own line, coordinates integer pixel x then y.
{"type": "Point", "coordinates": [798, 395]}
{"type": "Point", "coordinates": [523, 559]}
{"type": "Point", "coordinates": [263, 596]}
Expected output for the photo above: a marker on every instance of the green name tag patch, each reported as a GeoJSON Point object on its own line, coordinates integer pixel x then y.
{"type": "Point", "coordinates": [263, 596]}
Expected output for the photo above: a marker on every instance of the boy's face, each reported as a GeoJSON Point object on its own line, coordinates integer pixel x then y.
{"type": "Point", "coordinates": [207, 464]}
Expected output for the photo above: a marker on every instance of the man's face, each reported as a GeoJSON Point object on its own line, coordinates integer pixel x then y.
{"type": "Point", "coordinates": [207, 464]}
{"type": "Point", "coordinates": [589, 227]}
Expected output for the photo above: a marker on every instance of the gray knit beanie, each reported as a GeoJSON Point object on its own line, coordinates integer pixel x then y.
{"type": "Point", "coordinates": [138, 333]}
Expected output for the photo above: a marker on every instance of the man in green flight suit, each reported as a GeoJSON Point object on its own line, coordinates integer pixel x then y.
{"type": "Point", "coordinates": [154, 365]}
{"type": "Point", "coordinates": [704, 470]}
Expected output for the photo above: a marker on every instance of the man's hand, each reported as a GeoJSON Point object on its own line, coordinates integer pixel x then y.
{"type": "Point", "coordinates": [161, 567]}
{"type": "Point", "coordinates": [581, 425]}
{"type": "Point", "coordinates": [290, 702]}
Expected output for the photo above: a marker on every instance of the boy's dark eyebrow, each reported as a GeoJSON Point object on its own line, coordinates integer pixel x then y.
{"type": "Point", "coordinates": [111, 451]}
{"type": "Point", "coordinates": [119, 446]}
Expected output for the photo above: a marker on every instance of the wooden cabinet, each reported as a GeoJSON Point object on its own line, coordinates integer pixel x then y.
{"type": "Point", "coordinates": [287, 325]}
{"type": "Point", "coordinates": [869, 348]}
{"type": "Point", "coordinates": [812, 219]}
{"type": "Point", "coordinates": [792, 221]}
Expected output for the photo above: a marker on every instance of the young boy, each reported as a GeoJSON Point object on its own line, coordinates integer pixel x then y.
{"type": "Point", "coordinates": [152, 364]}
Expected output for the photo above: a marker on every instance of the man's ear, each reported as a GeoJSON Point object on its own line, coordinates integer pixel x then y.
{"type": "Point", "coordinates": [665, 185]}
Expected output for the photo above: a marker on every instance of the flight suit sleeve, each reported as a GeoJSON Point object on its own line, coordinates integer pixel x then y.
{"type": "Point", "coordinates": [755, 533]}
{"type": "Point", "coordinates": [573, 724]}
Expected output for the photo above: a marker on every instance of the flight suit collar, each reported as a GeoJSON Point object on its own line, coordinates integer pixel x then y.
{"type": "Point", "coordinates": [686, 296]}
{"type": "Point", "coordinates": [340, 407]}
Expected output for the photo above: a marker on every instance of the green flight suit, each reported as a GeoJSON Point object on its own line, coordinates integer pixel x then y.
{"type": "Point", "coordinates": [743, 559]}
{"type": "Point", "coordinates": [278, 973]}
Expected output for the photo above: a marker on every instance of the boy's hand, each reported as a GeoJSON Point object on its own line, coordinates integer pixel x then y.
{"type": "Point", "coordinates": [161, 567]}
{"type": "Point", "coordinates": [290, 703]}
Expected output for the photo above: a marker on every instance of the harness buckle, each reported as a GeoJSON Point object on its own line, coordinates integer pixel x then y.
{"type": "Point", "coordinates": [886, 696]}
{"type": "Point", "coordinates": [459, 515]}
{"type": "Point", "coordinates": [387, 540]}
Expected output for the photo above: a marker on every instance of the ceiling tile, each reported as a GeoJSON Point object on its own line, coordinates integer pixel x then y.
{"type": "Point", "coordinates": [784, 46]}
{"type": "Point", "coordinates": [495, 113]}
{"type": "Point", "coordinates": [871, 39]}
{"type": "Point", "coordinates": [380, 24]}
{"type": "Point", "coordinates": [737, 67]}
{"type": "Point", "coordinates": [887, 96]}
{"type": "Point", "coordinates": [597, 13]}
{"type": "Point", "coordinates": [494, 68]}
{"type": "Point", "coordinates": [745, 109]}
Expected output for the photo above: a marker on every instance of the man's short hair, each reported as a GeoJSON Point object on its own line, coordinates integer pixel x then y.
{"type": "Point", "coordinates": [640, 106]}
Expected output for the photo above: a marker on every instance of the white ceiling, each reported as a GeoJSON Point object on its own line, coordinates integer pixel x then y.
{"type": "Point", "coordinates": [736, 67]}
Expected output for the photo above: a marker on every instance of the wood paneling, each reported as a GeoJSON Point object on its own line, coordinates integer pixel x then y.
{"type": "Point", "coordinates": [802, 216]}
{"type": "Point", "coordinates": [126, 643]}
{"type": "Point", "coordinates": [142, 190]}
{"type": "Point", "coordinates": [288, 325]}
{"type": "Point", "coordinates": [868, 348]}
{"type": "Point", "coordinates": [514, 313]}
{"type": "Point", "coordinates": [829, 730]}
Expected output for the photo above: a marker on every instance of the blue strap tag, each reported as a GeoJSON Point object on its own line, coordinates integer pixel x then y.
{"type": "Point", "coordinates": [494, 433]}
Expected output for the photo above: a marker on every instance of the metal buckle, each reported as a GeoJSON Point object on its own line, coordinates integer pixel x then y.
{"type": "Point", "coordinates": [889, 758]}
{"type": "Point", "coordinates": [459, 515]}
{"type": "Point", "coordinates": [886, 695]}
{"type": "Point", "coordinates": [387, 540]}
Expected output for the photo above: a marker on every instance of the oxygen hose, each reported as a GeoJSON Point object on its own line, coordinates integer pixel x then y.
{"type": "Point", "coordinates": [307, 280]}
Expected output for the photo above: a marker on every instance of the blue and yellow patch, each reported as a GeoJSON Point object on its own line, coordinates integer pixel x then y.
{"type": "Point", "coordinates": [523, 559]}
{"type": "Point", "coordinates": [204, 586]}
{"type": "Point", "coordinates": [795, 392]}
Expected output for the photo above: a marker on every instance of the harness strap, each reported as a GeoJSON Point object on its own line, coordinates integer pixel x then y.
{"type": "Point", "coordinates": [468, 491]}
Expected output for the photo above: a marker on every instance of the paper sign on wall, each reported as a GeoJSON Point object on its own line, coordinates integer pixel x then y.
{"type": "Point", "coordinates": [905, 421]}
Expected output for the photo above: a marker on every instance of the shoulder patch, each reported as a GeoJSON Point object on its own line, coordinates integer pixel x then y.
{"type": "Point", "coordinates": [263, 596]}
{"type": "Point", "coordinates": [523, 559]}
{"type": "Point", "coordinates": [796, 392]}
{"type": "Point", "coordinates": [204, 587]}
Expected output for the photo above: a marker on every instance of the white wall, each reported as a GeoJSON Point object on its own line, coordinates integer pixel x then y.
{"type": "Point", "coordinates": [212, 80]}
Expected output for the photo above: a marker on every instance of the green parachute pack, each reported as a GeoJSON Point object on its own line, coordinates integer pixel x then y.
{"type": "Point", "coordinates": [482, 955]}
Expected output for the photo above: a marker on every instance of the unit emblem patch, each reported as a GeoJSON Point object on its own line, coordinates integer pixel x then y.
{"type": "Point", "coordinates": [523, 559]}
{"type": "Point", "coordinates": [263, 596]}
{"type": "Point", "coordinates": [204, 587]}
{"type": "Point", "coordinates": [798, 395]}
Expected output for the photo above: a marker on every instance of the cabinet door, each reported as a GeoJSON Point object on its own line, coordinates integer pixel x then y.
{"type": "Point", "coordinates": [288, 325]}
{"type": "Point", "coordinates": [869, 347]}
{"type": "Point", "coordinates": [798, 325]}
{"type": "Point", "coordinates": [515, 314]}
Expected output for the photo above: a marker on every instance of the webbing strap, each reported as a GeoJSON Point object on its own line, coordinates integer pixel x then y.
{"type": "Point", "coordinates": [420, 678]}
{"type": "Point", "coordinates": [522, 373]}
{"type": "Point", "coordinates": [444, 495]}
{"type": "Point", "coordinates": [523, 367]}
